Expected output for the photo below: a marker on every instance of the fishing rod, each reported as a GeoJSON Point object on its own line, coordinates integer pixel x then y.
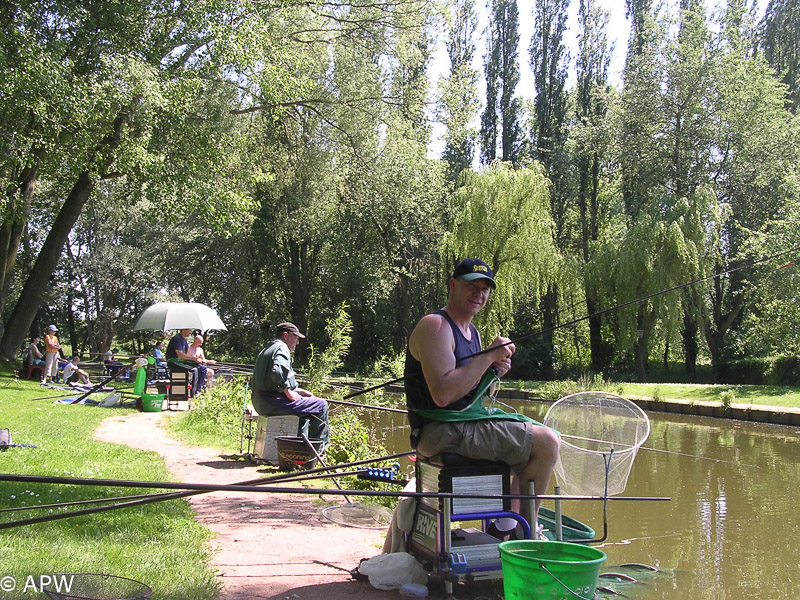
{"type": "Point", "coordinates": [628, 446]}
{"type": "Point", "coordinates": [372, 406]}
{"type": "Point", "coordinates": [298, 477]}
{"type": "Point", "coordinates": [65, 395]}
{"type": "Point", "coordinates": [595, 314]}
{"type": "Point", "coordinates": [716, 460]}
{"type": "Point", "coordinates": [211, 487]}
{"type": "Point", "coordinates": [102, 384]}
{"type": "Point", "coordinates": [160, 497]}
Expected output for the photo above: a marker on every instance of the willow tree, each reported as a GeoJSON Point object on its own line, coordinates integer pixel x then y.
{"type": "Point", "coordinates": [503, 218]}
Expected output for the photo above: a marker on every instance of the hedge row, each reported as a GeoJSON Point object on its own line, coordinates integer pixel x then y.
{"type": "Point", "coordinates": [776, 370]}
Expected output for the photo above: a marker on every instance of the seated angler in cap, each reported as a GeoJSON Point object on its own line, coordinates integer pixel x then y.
{"type": "Point", "coordinates": [275, 390]}
{"type": "Point", "coordinates": [441, 377]}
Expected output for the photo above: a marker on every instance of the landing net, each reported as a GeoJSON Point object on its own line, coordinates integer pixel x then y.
{"type": "Point", "coordinates": [600, 435]}
{"type": "Point", "coordinates": [359, 515]}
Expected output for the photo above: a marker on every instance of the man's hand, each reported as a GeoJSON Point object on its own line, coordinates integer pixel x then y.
{"type": "Point", "coordinates": [295, 394]}
{"type": "Point", "coordinates": [503, 354]}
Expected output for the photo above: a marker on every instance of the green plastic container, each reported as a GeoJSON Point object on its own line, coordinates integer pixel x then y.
{"type": "Point", "coordinates": [534, 570]}
{"type": "Point", "coordinates": [152, 402]}
{"type": "Point", "coordinates": [572, 530]}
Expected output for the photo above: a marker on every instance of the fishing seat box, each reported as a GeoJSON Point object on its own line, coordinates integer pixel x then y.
{"type": "Point", "coordinates": [268, 429]}
{"type": "Point", "coordinates": [460, 475]}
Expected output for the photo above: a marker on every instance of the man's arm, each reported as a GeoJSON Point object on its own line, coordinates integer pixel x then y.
{"type": "Point", "coordinates": [432, 344]}
{"type": "Point", "coordinates": [281, 369]}
{"type": "Point", "coordinates": [182, 355]}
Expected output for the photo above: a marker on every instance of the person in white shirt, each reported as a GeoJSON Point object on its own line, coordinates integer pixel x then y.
{"type": "Point", "coordinates": [73, 374]}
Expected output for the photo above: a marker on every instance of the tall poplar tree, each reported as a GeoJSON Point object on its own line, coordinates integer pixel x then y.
{"type": "Point", "coordinates": [458, 92]}
{"type": "Point", "coordinates": [594, 55]}
{"type": "Point", "coordinates": [548, 58]}
{"type": "Point", "coordinates": [500, 122]}
{"type": "Point", "coordinates": [781, 44]}
{"type": "Point", "coordinates": [688, 144]}
{"type": "Point", "coordinates": [638, 161]}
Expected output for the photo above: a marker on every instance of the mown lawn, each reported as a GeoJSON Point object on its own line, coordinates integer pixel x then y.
{"type": "Point", "coordinates": [159, 544]}
{"type": "Point", "coordinates": [761, 395]}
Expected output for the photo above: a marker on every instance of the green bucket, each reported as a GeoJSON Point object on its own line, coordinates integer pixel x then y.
{"type": "Point", "coordinates": [152, 402]}
{"type": "Point", "coordinates": [534, 570]}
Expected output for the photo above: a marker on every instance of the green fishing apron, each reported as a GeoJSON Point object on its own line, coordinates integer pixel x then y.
{"type": "Point", "coordinates": [476, 411]}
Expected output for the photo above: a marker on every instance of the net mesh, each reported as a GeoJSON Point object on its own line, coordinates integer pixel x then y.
{"type": "Point", "coordinates": [599, 432]}
{"type": "Point", "coordinates": [95, 586]}
{"type": "Point", "coordinates": [359, 515]}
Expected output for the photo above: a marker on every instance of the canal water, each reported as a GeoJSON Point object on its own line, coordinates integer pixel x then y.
{"type": "Point", "coordinates": [731, 530]}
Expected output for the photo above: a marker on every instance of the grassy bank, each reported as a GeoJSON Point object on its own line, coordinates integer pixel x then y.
{"type": "Point", "coordinates": [159, 544]}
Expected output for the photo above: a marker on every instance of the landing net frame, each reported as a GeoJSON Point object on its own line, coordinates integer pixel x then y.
{"type": "Point", "coordinates": [600, 436]}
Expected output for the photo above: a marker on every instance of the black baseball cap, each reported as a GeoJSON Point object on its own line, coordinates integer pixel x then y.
{"type": "Point", "coordinates": [289, 328]}
{"type": "Point", "coordinates": [471, 269]}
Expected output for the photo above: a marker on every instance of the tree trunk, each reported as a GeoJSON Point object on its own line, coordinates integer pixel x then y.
{"type": "Point", "coordinates": [11, 231]}
{"type": "Point", "coordinates": [599, 358]}
{"type": "Point", "coordinates": [299, 273]}
{"type": "Point", "coordinates": [689, 335]}
{"type": "Point", "coordinates": [716, 326]}
{"type": "Point", "coordinates": [30, 298]}
{"type": "Point", "coordinates": [642, 344]}
{"type": "Point", "coordinates": [550, 319]}
{"type": "Point", "coordinates": [73, 332]}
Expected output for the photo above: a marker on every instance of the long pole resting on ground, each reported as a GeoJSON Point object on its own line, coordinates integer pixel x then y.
{"type": "Point", "coordinates": [102, 384]}
{"type": "Point", "coordinates": [150, 498]}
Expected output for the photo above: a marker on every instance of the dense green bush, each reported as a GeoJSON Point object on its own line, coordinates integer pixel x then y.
{"type": "Point", "coordinates": [783, 370]}
{"type": "Point", "coordinates": [774, 370]}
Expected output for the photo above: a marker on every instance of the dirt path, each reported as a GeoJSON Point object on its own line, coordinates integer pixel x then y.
{"type": "Point", "coordinates": [266, 545]}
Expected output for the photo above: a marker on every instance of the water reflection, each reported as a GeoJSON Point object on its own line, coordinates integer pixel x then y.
{"type": "Point", "coordinates": [730, 531]}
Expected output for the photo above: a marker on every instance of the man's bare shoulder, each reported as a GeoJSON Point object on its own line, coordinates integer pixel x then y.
{"type": "Point", "coordinates": [431, 324]}
{"type": "Point", "coordinates": [432, 331]}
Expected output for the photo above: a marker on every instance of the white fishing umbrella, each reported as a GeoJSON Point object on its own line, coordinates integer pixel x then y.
{"type": "Point", "coordinates": [164, 316]}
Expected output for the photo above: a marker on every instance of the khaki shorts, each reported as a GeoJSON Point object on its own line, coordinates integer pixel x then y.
{"type": "Point", "coordinates": [491, 439]}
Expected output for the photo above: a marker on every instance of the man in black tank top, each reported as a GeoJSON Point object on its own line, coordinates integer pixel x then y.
{"type": "Point", "coordinates": [438, 374]}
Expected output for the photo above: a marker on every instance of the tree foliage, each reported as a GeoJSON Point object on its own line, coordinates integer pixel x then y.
{"type": "Point", "coordinates": [459, 90]}
{"type": "Point", "coordinates": [500, 122]}
{"type": "Point", "coordinates": [273, 160]}
{"type": "Point", "coordinates": [503, 218]}
{"type": "Point", "coordinates": [781, 44]}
